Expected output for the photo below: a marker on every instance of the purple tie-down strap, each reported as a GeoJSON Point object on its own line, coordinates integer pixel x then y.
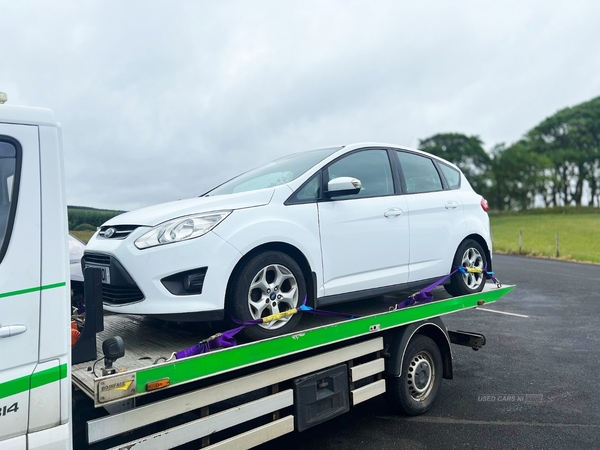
{"type": "Point", "coordinates": [419, 297]}
{"type": "Point", "coordinates": [424, 295]}
{"type": "Point", "coordinates": [219, 340]}
{"type": "Point", "coordinates": [320, 312]}
{"type": "Point", "coordinates": [242, 323]}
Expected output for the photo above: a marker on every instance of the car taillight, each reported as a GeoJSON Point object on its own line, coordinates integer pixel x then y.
{"type": "Point", "coordinates": [484, 204]}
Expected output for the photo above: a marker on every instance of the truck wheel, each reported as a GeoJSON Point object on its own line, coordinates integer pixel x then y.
{"type": "Point", "coordinates": [413, 392]}
{"type": "Point", "coordinates": [268, 283]}
{"type": "Point", "coordinates": [469, 255]}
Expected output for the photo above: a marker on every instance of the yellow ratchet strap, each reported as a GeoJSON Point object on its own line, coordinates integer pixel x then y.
{"type": "Point", "coordinates": [279, 316]}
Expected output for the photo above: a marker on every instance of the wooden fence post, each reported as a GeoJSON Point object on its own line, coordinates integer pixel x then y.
{"type": "Point", "coordinates": [520, 242]}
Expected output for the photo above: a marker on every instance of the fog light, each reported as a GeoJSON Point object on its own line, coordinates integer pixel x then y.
{"type": "Point", "coordinates": [193, 282]}
{"type": "Point", "coordinates": [189, 282]}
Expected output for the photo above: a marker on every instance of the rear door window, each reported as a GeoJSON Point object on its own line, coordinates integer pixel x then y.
{"type": "Point", "coordinates": [419, 173]}
{"type": "Point", "coordinates": [8, 169]}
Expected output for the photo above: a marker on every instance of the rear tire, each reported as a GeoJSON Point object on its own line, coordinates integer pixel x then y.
{"type": "Point", "coordinates": [415, 390]}
{"type": "Point", "coordinates": [469, 255]}
{"type": "Point", "coordinates": [267, 283]}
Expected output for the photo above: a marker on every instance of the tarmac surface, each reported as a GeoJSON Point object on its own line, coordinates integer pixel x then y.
{"type": "Point", "coordinates": [535, 385]}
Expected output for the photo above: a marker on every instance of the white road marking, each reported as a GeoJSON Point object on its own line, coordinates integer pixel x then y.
{"type": "Point", "coordinates": [502, 312]}
{"type": "Point", "coordinates": [451, 421]}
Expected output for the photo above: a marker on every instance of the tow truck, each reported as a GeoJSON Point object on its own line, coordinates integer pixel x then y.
{"type": "Point", "coordinates": [126, 384]}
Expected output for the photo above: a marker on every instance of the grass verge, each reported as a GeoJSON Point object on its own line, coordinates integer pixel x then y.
{"type": "Point", "coordinates": [579, 235]}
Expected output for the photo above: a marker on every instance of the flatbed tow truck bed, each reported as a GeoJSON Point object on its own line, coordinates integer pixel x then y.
{"type": "Point", "coordinates": [142, 393]}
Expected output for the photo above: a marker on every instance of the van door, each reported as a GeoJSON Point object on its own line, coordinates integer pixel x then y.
{"type": "Point", "coordinates": [20, 277]}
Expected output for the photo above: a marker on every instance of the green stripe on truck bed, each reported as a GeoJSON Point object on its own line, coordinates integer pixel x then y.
{"type": "Point", "coordinates": [220, 361]}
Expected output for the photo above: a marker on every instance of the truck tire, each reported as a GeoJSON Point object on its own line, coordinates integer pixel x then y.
{"type": "Point", "coordinates": [469, 255]}
{"type": "Point", "coordinates": [267, 283]}
{"type": "Point", "coordinates": [414, 391]}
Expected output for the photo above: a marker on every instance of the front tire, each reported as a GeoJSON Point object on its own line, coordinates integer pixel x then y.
{"type": "Point", "coordinates": [414, 391]}
{"type": "Point", "coordinates": [266, 284]}
{"type": "Point", "coordinates": [469, 255]}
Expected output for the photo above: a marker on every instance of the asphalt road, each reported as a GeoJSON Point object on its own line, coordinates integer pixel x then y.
{"type": "Point", "coordinates": [536, 384]}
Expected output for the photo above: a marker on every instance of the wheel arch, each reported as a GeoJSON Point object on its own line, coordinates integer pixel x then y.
{"type": "Point", "coordinates": [484, 245]}
{"type": "Point", "coordinates": [290, 250]}
{"type": "Point", "coordinates": [397, 341]}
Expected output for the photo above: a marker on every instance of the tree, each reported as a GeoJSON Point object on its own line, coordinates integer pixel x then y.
{"type": "Point", "coordinates": [570, 139]}
{"type": "Point", "coordinates": [465, 151]}
{"type": "Point", "coordinates": [516, 176]}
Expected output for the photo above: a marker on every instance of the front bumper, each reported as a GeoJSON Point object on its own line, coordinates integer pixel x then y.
{"type": "Point", "coordinates": [141, 281]}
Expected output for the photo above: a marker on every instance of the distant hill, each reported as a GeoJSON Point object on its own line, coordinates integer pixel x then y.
{"type": "Point", "coordinates": [89, 208]}
{"type": "Point", "coordinates": [82, 218]}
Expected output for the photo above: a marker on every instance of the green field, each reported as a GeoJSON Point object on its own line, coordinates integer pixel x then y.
{"type": "Point", "coordinates": [84, 220]}
{"type": "Point", "coordinates": [579, 235]}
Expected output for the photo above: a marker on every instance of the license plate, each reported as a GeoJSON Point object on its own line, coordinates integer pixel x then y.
{"type": "Point", "coordinates": [105, 272]}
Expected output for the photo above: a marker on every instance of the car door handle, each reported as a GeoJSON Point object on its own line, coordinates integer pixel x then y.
{"type": "Point", "coordinates": [451, 205]}
{"type": "Point", "coordinates": [392, 212]}
{"type": "Point", "coordinates": [12, 330]}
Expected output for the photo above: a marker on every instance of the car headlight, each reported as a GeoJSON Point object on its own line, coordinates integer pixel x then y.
{"type": "Point", "coordinates": [181, 229]}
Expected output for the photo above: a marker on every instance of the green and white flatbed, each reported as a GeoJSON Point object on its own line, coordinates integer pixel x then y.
{"type": "Point", "coordinates": [271, 387]}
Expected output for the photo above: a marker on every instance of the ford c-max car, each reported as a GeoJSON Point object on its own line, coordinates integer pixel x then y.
{"type": "Point", "coordinates": [332, 225]}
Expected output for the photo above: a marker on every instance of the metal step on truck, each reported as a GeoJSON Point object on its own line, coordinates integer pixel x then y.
{"type": "Point", "coordinates": [129, 384]}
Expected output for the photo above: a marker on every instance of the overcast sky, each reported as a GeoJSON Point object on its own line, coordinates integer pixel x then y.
{"type": "Point", "coordinates": [163, 100]}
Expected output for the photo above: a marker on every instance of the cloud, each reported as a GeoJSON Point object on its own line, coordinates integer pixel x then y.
{"type": "Point", "coordinates": [164, 100]}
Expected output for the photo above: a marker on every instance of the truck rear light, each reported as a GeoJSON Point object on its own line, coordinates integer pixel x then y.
{"type": "Point", "coordinates": [484, 204]}
{"type": "Point", "coordinates": [159, 384]}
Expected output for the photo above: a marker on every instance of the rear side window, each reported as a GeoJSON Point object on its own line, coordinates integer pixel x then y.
{"type": "Point", "coordinates": [420, 174]}
{"type": "Point", "coordinates": [8, 177]}
{"type": "Point", "coordinates": [452, 176]}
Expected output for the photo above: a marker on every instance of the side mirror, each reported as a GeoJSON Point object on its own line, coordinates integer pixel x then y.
{"type": "Point", "coordinates": [343, 186]}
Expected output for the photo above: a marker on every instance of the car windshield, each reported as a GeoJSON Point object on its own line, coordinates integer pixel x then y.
{"type": "Point", "coordinates": [275, 173]}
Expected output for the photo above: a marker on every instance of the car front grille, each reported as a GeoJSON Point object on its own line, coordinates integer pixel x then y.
{"type": "Point", "coordinates": [122, 289]}
{"type": "Point", "coordinates": [117, 231]}
{"type": "Point", "coordinates": [96, 258]}
{"type": "Point", "coordinates": [118, 295]}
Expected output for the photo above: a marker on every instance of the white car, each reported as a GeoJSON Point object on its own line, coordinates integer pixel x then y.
{"type": "Point", "coordinates": [332, 225]}
{"type": "Point", "coordinates": [76, 248]}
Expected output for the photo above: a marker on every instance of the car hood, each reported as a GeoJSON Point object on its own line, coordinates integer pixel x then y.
{"type": "Point", "coordinates": [153, 215]}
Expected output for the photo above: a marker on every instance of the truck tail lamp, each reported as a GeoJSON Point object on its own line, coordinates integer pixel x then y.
{"type": "Point", "coordinates": [159, 384]}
